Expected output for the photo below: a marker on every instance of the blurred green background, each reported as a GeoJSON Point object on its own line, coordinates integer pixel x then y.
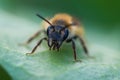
{"type": "Point", "coordinates": [101, 15]}
{"type": "Point", "coordinates": [101, 19]}
{"type": "Point", "coordinates": [95, 11]}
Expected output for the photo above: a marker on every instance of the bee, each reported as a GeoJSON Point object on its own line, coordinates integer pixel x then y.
{"type": "Point", "coordinates": [61, 28]}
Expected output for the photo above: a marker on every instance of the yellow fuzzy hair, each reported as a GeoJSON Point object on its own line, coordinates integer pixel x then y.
{"type": "Point", "coordinates": [62, 16]}
{"type": "Point", "coordinates": [77, 29]}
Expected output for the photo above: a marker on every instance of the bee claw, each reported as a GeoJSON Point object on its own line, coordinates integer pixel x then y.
{"type": "Point", "coordinates": [29, 53]}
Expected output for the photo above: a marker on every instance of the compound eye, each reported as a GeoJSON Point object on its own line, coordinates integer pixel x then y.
{"type": "Point", "coordinates": [50, 30]}
{"type": "Point", "coordinates": [65, 34]}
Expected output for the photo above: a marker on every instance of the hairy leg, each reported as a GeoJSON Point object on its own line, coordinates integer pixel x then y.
{"type": "Point", "coordinates": [73, 46]}
{"type": "Point", "coordinates": [39, 42]}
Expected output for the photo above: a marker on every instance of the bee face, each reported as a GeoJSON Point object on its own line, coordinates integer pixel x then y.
{"type": "Point", "coordinates": [56, 36]}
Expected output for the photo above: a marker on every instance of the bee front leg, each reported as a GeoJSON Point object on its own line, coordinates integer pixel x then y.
{"type": "Point", "coordinates": [74, 48]}
{"type": "Point", "coordinates": [39, 42]}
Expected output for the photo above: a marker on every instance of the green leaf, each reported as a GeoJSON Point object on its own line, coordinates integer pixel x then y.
{"type": "Point", "coordinates": [3, 74]}
{"type": "Point", "coordinates": [53, 65]}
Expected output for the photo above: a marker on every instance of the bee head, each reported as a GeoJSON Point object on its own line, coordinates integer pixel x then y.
{"type": "Point", "coordinates": [56, 36]}
{"type": "Point", "coordinates": [56, 33]}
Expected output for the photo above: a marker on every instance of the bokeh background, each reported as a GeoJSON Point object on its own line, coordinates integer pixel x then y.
{"type": "Point", "coordinates": [102, 15]}
{"type": "Point", "coordinates": [101, 19]}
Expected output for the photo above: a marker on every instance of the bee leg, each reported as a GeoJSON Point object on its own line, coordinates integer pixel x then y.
{"type": "Point", "coordinates": [39, 42]}
{"type": "Point", "coordinates": [73, 46]}
{"type": "Point", "coordinates": [32, 37]}
{"type": "Point", "coordinates": [83, 45]}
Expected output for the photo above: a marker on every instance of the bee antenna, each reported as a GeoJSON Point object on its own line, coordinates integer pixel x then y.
{"type": "Point", "coordinates": [44, 19]}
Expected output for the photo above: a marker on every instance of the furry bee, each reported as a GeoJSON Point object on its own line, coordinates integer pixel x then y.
{"type": "Point", "coordinates": [61, 28]}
